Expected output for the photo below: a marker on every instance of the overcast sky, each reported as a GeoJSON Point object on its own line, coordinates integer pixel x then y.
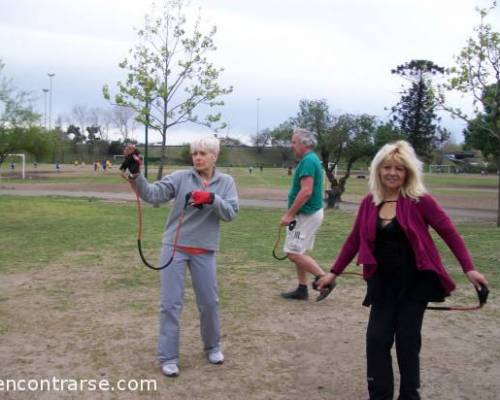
{"type": "Point", "coordinates": [278, 51]}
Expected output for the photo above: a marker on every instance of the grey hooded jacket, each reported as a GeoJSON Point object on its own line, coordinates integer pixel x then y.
{"type": "Point", "coordinates": [200, 228]}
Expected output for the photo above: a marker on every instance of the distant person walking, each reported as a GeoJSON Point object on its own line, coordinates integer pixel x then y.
{"type": "Point", "coordinates": [305, 213]}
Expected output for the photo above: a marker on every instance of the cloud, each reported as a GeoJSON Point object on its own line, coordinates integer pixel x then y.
{"type": "Point", "coordinates": [281, 52]}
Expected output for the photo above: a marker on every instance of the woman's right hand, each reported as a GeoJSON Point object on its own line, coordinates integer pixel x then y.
{"type": "Point", "coordinates": [325, 280]}
{"type": "Point", "coordinates": [132, 161]}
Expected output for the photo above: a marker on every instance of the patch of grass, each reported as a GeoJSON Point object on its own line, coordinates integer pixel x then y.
{"type": "Point", "coordinates": [482, 241]}
{"type": "Point", "coordinates": [275, 178]}
{"type": "Point", "coordinates": [139, 305]}
{"type": "Point", "coordinates": [41, 231]}
{"type": "Point", "coordinates": [466, 180]}
{"type": "Point", "coordinates": [467, 193]}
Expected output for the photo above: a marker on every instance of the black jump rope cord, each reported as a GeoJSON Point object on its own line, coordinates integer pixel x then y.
{"type": "Point", "coordinates": [482, 293]}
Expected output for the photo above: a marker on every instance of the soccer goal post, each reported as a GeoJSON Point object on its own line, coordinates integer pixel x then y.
{"type": "Point", "coordinates": [23, 159]}
{"type": "Point", "coordinates": [439, 169]}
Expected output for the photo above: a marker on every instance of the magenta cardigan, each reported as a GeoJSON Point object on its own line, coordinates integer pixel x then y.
{"type": "Point", "coordinates": [415, 217]}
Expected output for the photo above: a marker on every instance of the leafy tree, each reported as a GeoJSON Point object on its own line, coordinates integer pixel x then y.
{"type": "Point", "coordinates": [94, 133]}
{"type": "Point", "coordinates": [73, 133]}
{"type": "Point", "coordinates": [115, 147]}
{"type": "Point", "coordinates": [347, 137]}
{"type": "Point", "coordinates": [386, 133]}
{"type": "Point", "coordinates": [15, 105]}
{"type": "Point", "coordinates": [19, 123]}
{"type": "Point", "coordinates": [32, 140]}
{"type": "Point", "coordinates": [477, 135]}
{"type": "Point", "coordinates": [415, 114]}
{"type": "Point", "coordinates": [477, 72]}
{"type": "Point", "coordinates": [230, 141]}
{"type": "Point", "coordinates": [440, 139]}
{"type": "Point", "coordinates": [281, 137]}
{"type": "Point", "coordinates": [451, 146]}
{"type": "Point", "coordinates": [79, 116]}
{"type": "Point", "coordinates": [351, 140]}
{"type": "Point", "coordinates": [97, 146]}
{"type": "Point", "coordinates": [169, 75]}
{"type": "Point", "coordinates": [261, 139]}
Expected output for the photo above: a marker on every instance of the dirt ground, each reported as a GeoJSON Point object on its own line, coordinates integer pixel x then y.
{"type": "Point", "coordinates": [90, 327]}
{"type": "Point", "coordinates": [275, 349]}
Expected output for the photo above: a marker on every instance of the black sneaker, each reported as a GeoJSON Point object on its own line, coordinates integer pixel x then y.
{"type": "Point", "coordinates": [297, 294]}
{"type": "Point", "coordinates": [325, 292]}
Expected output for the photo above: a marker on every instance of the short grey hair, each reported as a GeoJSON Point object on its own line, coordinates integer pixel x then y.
{"type": "Point", "coordinates": [306, 137]}
{"type": "Point", "coordinates": [209, 144]}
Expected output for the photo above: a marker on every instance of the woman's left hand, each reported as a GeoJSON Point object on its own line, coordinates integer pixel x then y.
{"type": "Point", "coordinates": [477, 279]}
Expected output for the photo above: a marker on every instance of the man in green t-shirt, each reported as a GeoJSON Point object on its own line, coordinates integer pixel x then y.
{"type": "Point", "coordinates": [305, 213]}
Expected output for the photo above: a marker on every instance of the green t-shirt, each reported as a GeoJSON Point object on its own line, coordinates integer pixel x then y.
{"type": "Point", "coordinates": [308, 166]}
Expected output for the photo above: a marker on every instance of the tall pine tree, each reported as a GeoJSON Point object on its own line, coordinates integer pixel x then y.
{"type": "Point", "coordinates": [415, 114]}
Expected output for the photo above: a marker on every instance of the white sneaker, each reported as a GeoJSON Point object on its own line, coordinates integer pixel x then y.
{"type": "Point", "coordinates": [216, 357]}
{"type": "Point", "coordinates": [170, 369]}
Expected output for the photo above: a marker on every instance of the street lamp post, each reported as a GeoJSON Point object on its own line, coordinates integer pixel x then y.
{"type": "Point", "coordinates": [148, 110]}
{"type": "Point", "coordinates": [51, 75]}
{"type": "Point", "coordinates": [45, 91]}
{"type": "Point", "coordinates": [258, 101]}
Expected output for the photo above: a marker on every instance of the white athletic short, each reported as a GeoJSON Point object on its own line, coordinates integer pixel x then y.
{"type": "Point", "coordinates": [301, 238]}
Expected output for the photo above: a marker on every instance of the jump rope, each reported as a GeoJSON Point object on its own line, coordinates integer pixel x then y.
{"type": "Point", "coordinates": [482, 293]}
{"type": "Point", "coordinates": [140, 229]}
{"type": "Point", "coordinates": [140, 218]}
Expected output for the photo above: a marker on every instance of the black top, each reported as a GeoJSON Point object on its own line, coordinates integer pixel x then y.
{"type": "Point", "coordinates": [397, 275]}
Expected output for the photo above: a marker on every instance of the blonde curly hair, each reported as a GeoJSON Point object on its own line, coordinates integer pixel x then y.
{"type": "Point", "coordinates": [403, 153]}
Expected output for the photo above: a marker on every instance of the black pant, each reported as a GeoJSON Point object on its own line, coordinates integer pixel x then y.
{"type": "Point", "coordinates": [400, 319]}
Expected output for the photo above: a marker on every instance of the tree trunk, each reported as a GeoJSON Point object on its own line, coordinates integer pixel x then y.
{"type": "Point", "coordinates": [498, 191]}
{"type": "Point", "coordinates": [163, 161]}
{"type": "Point", "coordinates": [163, 158]}
{"type": "Point", "coordinates": [334, 194]}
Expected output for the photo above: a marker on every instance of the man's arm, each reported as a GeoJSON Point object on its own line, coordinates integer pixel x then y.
{"type": "Point", "coordinates": [305, 192]}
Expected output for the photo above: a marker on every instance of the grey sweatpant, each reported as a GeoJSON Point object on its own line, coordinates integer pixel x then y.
{"type": "Point", "coordinates": [204, 279]}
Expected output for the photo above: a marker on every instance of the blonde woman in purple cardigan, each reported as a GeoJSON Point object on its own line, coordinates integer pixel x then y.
{"type": "Point", "coordinates": [401, 265]}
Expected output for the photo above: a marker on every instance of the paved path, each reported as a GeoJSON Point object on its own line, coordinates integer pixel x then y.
{"type": "Point", "coordinates": [456, 213]}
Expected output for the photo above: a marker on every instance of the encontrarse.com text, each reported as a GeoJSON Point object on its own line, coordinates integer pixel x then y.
{"type": "Point", "coordinates": [55, 384]}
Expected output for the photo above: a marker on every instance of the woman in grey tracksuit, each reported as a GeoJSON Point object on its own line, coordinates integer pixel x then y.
{"type": "Point", "coordinates": [212, 197]}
